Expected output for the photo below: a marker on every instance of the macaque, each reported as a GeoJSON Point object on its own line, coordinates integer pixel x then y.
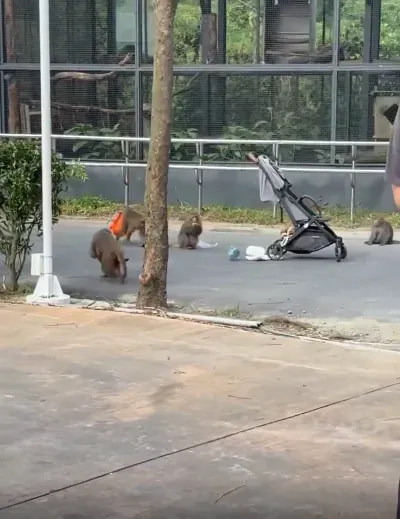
{"type": "Point", "coordinates": [287, 231]}
{"type": "Point", "coordinates": [191, 229]}
{"type": "Point", "coordinates": [132, 221]}
{"type": "Point", "coordinates": [108, 251]}
{"type": "Point", "coordinates": [381, 233]}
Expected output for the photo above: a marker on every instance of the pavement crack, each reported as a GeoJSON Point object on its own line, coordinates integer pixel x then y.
{"type": "Point", "coordinates": [201, 444]}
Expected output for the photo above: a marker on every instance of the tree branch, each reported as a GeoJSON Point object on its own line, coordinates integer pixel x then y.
{"type": "Point", "coordinates": [86, 76]}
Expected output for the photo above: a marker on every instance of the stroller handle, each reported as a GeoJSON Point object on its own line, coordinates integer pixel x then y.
{"type": "Point", "coordinates": [251, 156]}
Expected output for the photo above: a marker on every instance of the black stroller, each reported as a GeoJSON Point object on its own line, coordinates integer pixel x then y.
{"type": "Point", "coordinates": [309, 233]}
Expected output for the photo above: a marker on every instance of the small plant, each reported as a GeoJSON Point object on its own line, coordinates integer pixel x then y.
{"type": "Point", "coordinates": [21, 200]}
{"type": "Point", "coordinates": [261, 130]}
{"type": "Point", "coordinates": [181, 151]}
{"type": "Point", "coordinates": [113, 150]}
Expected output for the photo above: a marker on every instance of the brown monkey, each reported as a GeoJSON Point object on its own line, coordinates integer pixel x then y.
{"type": "Point", "coordinates": [191, 229]}
{"type": "Point", "coordinates": [381, 233]}
{"type": "Point", "coordinates": [287, 231]}
{"type": "Point", "coordinates": [105, 248]}
{"type": "Point", "coordinates": [132, 221]}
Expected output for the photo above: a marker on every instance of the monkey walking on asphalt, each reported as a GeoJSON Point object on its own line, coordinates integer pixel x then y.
{"type": "Point", "coordinates": [381, 233]}
{"type": "Point", "coordinates": [188, 236]}
{"type": "Point", "coordinates": [132, 221]}
{"type": "Point", "coordinates": [108, 251]}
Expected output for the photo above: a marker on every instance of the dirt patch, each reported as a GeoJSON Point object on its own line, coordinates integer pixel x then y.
{"type": "Point", "coordinates": [293, 327]}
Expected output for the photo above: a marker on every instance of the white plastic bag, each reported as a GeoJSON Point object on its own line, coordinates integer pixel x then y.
{"type": "Point", "coordinates": [254, 253]}
{"type": "Point", "coordinates": [204, 245]}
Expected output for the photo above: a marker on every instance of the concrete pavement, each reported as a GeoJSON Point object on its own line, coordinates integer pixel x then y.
{"type": "Point", "coordinates": [157, 419]}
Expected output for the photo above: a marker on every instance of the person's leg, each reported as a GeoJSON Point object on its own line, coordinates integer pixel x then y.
{"type": "Point", "coordinates": [396, 196]}
{"type": "Point", "coordinates": [393, 161]}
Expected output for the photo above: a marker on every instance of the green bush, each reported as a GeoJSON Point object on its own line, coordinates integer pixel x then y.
{"type": "Point", "coordinates": [21, 200]}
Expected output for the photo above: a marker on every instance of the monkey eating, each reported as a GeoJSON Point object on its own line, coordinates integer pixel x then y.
{"type": "Point", "coordinates": [188, 236]}
{"type": "Point", "coordinates": [108, 251]}
{"type": "Point", "coordinates": [381, 233]}
{"type": "Point", "coordinates": [132, 221]}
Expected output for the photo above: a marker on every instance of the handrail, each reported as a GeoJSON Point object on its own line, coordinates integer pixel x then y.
{"type": "Point", "coordinates": [255, 142]}
{"type": "Point", "coordinates": [199, 166]}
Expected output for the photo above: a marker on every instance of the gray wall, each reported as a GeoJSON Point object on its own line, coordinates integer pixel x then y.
{"type": "Point", "coordinates": [236, 188]}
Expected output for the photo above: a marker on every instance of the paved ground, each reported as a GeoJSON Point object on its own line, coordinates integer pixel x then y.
{"type": "Point", "coordinates": [189, 412]}
{"type": "Point", "coordinates": [367, 284]}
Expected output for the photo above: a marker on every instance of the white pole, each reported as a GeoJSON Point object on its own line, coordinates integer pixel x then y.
{"type": "Point", "coordinates": [48, 289]}
{"type": "Point", "coordinates": [45, 100]}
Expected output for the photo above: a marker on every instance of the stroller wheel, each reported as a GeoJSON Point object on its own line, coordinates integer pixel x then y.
{"type": "Point", "coordinates": [275, 251]}
{"type": "Point", "coordinates": [340, 252]}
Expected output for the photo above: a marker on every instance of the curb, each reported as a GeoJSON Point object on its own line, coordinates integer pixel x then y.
{"type": "Point", "coordinates": [242, 324]}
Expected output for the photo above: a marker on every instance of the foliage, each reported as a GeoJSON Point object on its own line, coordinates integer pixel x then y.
{"type": "Point", "coordinates": [247, 100]}
{"type": "Point", "coordinates": [260, 131]}
{"type": "Point", "coordinates": [113, 150]}
{"type": "Point", "coordinates": [21, 199]}
{"type": "Point", "coordinates": [241, 23]}
{"type": "Point", "coordinates": [181, 151]}
{"type": "Point", "coordinates": [308, 97]}
{"type": "Point", "coordinates": [98, 207]}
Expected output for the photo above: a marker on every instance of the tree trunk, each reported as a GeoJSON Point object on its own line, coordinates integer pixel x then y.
{"type": "Point", "coordinates": [153, 279]}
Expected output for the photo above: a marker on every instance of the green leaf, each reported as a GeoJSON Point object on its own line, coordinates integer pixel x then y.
{"type": "Point", "coordinates": [78, 145]}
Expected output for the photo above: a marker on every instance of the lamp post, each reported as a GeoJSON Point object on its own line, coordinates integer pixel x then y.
{"type": "Point", "coordinates": [48, 289]}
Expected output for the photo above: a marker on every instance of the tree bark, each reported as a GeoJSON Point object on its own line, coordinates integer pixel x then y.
{"type": "Point", "coordinates": [153, 279]}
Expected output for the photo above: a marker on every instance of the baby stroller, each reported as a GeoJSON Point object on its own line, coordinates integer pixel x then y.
{"type": "Point", "coordinates": [310, 233]}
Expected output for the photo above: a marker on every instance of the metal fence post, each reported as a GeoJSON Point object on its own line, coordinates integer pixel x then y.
{"type": "Point", "coordinates": [125, 171]}
{"type": "Point", "coordinates": [199, 176]}
{"type": "Point", "coordinates": [353, 182]}
{"type": "Point", "coordinates": [278, 151]}
{"type": "Point", "coordinates": [275, 158]}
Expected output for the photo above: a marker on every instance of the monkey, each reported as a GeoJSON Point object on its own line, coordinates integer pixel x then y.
{"type": "Point", "coordinates": [287, 231]}
{"type": "Point", "coordinates": [381, 233]}
{"type": "Point", "coordinates": [191, 229]}
{"type": "Point", "coordinates": [108, 251]}
{"type": "Point", "coordinates": [132, 221]}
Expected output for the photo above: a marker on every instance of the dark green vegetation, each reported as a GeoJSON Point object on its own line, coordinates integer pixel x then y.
{"type": "Point", "coordinates": [97, 207]}
{"type": "Point", "coordinates": [21, 201]}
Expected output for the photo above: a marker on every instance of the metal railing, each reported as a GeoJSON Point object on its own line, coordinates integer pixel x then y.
{"type": "Point", "coordinates": [199, 167]}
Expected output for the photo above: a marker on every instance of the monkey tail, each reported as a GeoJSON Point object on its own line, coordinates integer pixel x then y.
{"type": "Point", "coordinates": [398, 502]}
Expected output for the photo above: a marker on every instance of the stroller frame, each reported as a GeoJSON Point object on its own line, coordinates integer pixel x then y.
{"type": "Point", "coordinates": [310, 230]}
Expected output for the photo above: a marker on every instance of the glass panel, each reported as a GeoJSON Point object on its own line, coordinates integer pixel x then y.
{"type": "Point", "coordinates": [92, 31]}
{"type": "Point", "coordinates": [389, 48]}
{"type": "Point", "coordinates": [187, 31]}
{"type": "Point", "coordinates": [367, 104]}
{"type": "Point", "coordinates": [81, 31]}
{"type": "Point", "coordinates": [21, 20]}
{"type": "Point", "coordinates": [273, 107]}
{"type": "Point", "coordinates": [81, 107]}
{"type": "Point", "coordinates": [257, 31]}
{"type": "Point", "coordinates": [88, 31]}
{"type": "Point", "coordinates": [352, 15]}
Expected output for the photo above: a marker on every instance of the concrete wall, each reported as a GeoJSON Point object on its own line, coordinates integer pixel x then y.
{"type": "Point", "coordinates": [236, 188]}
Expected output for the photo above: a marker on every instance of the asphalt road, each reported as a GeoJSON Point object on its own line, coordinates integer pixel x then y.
{"type": "Point", "coordinates": [366, 284]}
